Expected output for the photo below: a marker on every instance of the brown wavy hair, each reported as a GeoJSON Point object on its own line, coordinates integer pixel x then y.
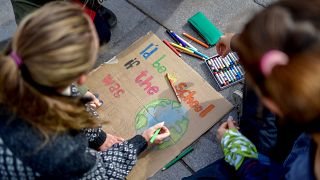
{"type": "Point", "coordinates": [57, 44]}
{"type": "Point", "coordinates": [291, 26]}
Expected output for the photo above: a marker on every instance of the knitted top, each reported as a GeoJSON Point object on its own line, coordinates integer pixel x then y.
{"type": "Point", "coordinates": [66, 155]}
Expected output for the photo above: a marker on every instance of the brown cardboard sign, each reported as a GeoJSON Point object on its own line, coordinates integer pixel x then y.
{"type": "Point", "coordinates": [137, 95]}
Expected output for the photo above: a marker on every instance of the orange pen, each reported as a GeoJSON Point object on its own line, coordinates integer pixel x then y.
{"type": "Point", "coordinates": [196, 40]}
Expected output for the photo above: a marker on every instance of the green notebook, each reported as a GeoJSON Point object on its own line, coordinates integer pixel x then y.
{"type": "Point", "coordinates": [205, 28]}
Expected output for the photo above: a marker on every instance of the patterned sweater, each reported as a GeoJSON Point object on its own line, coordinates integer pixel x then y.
{"type": "Point", "coordinates": [69, 155]}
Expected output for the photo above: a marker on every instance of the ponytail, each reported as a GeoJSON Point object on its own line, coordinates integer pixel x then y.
{"type": "Point", "coordinates": [52, 47]}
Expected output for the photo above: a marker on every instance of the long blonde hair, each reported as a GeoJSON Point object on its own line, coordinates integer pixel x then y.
{"type": "Point", "coordinates": [57, 44]}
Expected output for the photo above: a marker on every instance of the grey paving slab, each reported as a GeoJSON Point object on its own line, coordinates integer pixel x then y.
{"type": "Point", "coordinates": [225, 14]}
{"type": "Point", "coordinates": [7, 21]}
{"type": "Point", "coordinates": [264, 3]}
{"type": "Point", "coordinates": [132, 24]}
{"type": "Point", "coordinates": [207, 148]}
{"type": "Point", "coordinates": [177, 171]}
{"type": "Point", "coordinates": [205, 152]}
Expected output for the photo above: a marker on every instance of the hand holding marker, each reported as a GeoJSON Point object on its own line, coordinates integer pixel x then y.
{"type": "Point", "coordinates": [156, 133]}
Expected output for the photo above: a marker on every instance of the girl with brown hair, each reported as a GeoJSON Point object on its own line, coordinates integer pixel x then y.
{"type": "Point", "coordinates": [279, 50]}
{"type": "Point", "coordinates": [41, 127]}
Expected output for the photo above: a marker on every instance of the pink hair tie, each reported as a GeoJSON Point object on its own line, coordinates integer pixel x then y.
{"type": "Point", "coordinates": [16, 58]}
{"type": "Point", "coordinates": [271, 59]}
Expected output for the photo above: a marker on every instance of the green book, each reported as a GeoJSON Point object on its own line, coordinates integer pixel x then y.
{"type": "Point", "coordinates": [205, 28]}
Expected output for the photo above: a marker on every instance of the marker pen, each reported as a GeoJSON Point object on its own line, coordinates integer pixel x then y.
{"type": "Point", "coordinates": [224, 79]}
{"type": "Point", "coordinates": [188, 44]}
{"type": "Point", "coordinates": [218, 77]}
{"type": "Point", "coordinates": [234, 77]}
{"type": "Point", "coordinates": [239, 68]}
{"type": "Point", "coordinates": [239, 72]}
{"type": "Point", "coordinates": [224, 62]}
{"type": "Point", "coordinates": [216, 63]}
{"type": "Point", "coordinates": [200, 54]}
{"type": "Point", "coordinates": [179, 39]}
{"type": "Point", "coordinates": [234, 73]}
{"type": "Point", "coordinates": [215, 67]}
{"type": "Point", "coordinates": [235, 55]}
{"type": "Point", "coordinates": [225, 74]}
{"type": "Point", "coordinates": [234, 58]}
{"type": "Point", "coordinates": [219, 60]}
{"type": "Point", "coordinates": [172, 36]}
{"type": "Point", "coordinates": [229, 59]}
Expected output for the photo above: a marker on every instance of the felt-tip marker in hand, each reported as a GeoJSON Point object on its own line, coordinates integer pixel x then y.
{"type": "Point", "coordinates": [155, 135]}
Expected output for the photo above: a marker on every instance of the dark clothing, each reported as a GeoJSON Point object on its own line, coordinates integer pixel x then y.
{"type": "Point", "coordinates": [22, 8]}
{"type": "Point", "coordinates": [257, 123]}
{"type": "Point", "coordinates": [65, 156]}
{"type": "Point", "coordinates": [250, 169]}
{"type": "Point", "coordinates": [299, 165]}
{"type": "Point", "coordinates": [261, 126]}
{"type": "Point", "coordinates": [219, 170]}
{"type": "Point", "coordinates": [103, 29]}
{"type": "Point", "coordinates": [300, 162]}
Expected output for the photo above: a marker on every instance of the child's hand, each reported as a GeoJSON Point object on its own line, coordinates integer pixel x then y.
{"type": "Point", "coordinates": [164, 133]}
{"type": "Point", "coordinates": [223, 46]}
{"type": "Point", "coordinates": [230, 123]}
{"type": "Point", "coordinates": [110, 141]}
{"type": "Point", "coordinates": [95, 103]}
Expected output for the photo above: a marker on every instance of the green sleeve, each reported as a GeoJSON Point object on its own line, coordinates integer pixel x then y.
{"type": "Point", "coordinates": [237, 147]}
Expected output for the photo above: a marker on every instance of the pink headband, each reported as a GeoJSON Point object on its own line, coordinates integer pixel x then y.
{"type": "Point", "coordinates": [16, 58]}
{"type": "Point", "coordinates": [271, 59]}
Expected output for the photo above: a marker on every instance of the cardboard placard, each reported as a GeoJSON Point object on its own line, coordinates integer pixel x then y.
{"type": "Point", "coordinates": [137, 95]}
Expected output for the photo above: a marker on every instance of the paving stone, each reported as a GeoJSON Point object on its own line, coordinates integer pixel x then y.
{"type": "Point", "coordinates": [7, 21]}
{"type": "Point", "coordinates": [225, 14]}
{"type": "Point", "coordinates": [176, 171]}
{"type": "Point", "coordinates": [264, 3]}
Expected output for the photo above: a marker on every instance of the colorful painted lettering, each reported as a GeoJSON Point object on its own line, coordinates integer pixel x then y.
{"type": "Point", "coordinates": [188, 97]}
{"type": "Point", "coordinates": [146, 54]}
{"type": "Point", "coordinates": [132, 63]}
{"type": "Point", "coordinates": [143, 80]}
{"type": "Point", "coordinates": [114, 87]}
{"type": "Point", "coordinates": [158, 66]}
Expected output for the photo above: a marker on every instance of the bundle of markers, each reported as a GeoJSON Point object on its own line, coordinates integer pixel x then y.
{"type": "Point", "coordinates": [226, 71]}
{"type": "Point", "coordinates": [182, 46]}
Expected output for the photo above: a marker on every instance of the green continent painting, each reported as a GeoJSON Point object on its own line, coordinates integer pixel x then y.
{"type": "Point", "coordinates": [171, 112]}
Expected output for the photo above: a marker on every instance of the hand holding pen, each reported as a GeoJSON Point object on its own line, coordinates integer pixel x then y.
{"type": "Point", "coordinates": [156, 133]}
{"type": "Point", "coordinates": [230, 123]}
